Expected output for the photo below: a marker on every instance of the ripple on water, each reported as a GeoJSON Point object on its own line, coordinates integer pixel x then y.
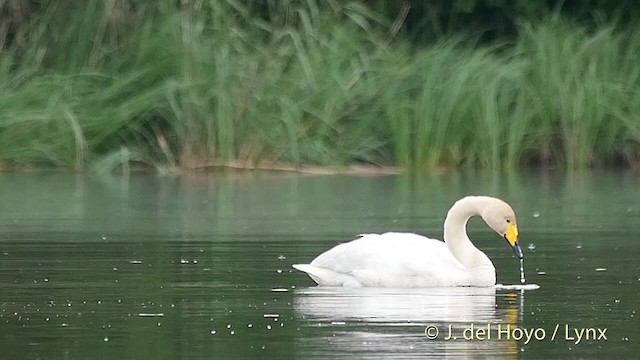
{"type": "Point", "coordinates": [518, 287]}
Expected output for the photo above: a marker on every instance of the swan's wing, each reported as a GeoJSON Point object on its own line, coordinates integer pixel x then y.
{"type": "Point", "coordinates": [389, 259]}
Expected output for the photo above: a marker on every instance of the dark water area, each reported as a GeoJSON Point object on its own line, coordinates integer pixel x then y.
{"type": "Point", "coordinates": [198, 266]}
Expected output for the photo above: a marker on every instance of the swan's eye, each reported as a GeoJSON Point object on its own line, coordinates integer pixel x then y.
{"type": "Point", "coordinates": [509, 221]}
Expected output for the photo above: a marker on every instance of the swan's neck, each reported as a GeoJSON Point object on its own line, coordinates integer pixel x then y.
{"type": "Point", "coordinates": [455, 232]}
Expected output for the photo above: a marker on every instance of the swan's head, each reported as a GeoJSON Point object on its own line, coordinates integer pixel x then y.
{"type": "Point", "coordinates": [501, 218]}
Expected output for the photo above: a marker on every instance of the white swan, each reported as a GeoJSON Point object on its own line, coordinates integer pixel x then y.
{"type": "Point", "coordinates": [411, 260]}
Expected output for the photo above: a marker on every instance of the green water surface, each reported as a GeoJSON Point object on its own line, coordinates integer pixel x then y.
{"type": "Point", "coordinates": [198, 266]}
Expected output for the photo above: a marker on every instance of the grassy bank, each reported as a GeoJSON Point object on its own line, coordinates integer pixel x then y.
{"type": "Point", "coordinates": [213, 84]}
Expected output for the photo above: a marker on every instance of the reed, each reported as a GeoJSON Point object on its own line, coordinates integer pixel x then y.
{"type": "Point", "coordinates": [219, 82]}
{"type": "Point", "coordinates": [585, 85]}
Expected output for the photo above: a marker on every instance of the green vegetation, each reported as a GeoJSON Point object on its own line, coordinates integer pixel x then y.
{"type": "Point", "coordinates": [215, 83]}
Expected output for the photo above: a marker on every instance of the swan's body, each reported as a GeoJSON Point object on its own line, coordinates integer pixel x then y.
{"type": "Point", "coordinates": [394, 260]}
{"type": "Point", "coordinates": [411, 260]}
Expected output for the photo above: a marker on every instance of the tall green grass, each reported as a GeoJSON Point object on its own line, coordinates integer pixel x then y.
{"type": "Point", "coordinates": [216, 82]}
{"type": "Point", "coordinates": [586, 101]}
{"type": "Point", "coordinates": [559, 95]}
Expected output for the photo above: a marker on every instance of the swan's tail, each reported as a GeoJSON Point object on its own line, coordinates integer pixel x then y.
{"type": "Point", "coordinates": [326, 277]}
{"type": "Point", "coordinates": [309, 269]}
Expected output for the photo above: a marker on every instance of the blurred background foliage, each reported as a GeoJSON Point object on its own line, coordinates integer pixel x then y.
{"type": "Point", "coordinates": [418, 84]}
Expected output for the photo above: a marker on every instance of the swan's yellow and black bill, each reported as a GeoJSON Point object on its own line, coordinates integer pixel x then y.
{"type": "Point", "coordinates": [511, 235]}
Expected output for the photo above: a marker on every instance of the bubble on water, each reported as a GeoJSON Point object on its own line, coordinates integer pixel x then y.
{"type": "Point", "coordinates": [279, 271]}
{"type": "Point", "coordinates": [601, 269]}
{"type": "Point", "coordinates": [542, 273]}
{"type": "Point", "coordinates": [578, 247]}
{"type": "Point", "coordinates": [250, 325]}
{"type": "Point", "coordinates": [228, 326]}
{"type": "Point", "coordinates": [137, 262]}
{"type": "Point", "coordinates": [232, 332]}
{"type": "Point", "coordinates": [279, 290]}
{"type": "Point", "coordinates": [105, 339]}
{"type": "Point", "coordinates": [270, 315]}
{"type": "Point", "coordinates": [531, 246]}
{"type": "Point", "coordinates": [103, 237]}
{"type": "Point", "coordinates": [268, 327]}
{"type": "Point", "coordinates": [536, 214]}
{"type": "Point", "coordinates": [282, 257]}
{"type": "Point", "coordinates": [213, 332]}
{"type": "Point", "coordinates": [184, 261]}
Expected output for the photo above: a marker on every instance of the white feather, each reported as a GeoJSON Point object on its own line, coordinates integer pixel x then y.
{"type": "Point", "coordinates": [409, 260]}
{"type": "Point", "coordinates": [383, 260]}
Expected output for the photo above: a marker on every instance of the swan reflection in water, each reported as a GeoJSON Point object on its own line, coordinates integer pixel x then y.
{"type": "Point", "coordinates": [389, 322]}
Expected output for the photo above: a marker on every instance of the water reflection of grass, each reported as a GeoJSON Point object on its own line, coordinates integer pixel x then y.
{"type": "Point", "coordinates": [212, 85]}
